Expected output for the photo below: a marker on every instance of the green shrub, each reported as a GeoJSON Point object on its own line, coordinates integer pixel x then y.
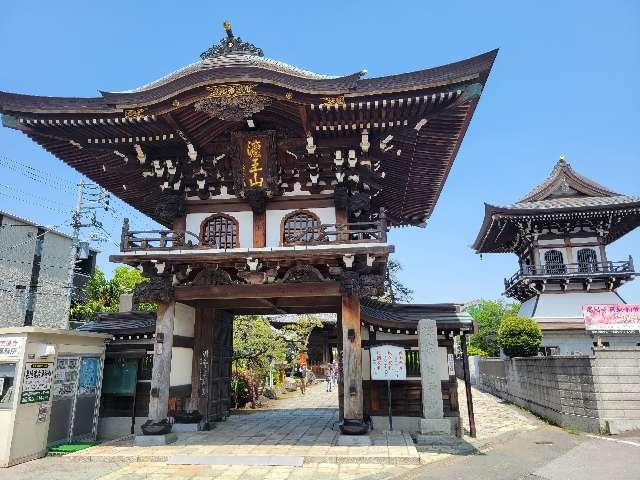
{"type": "Point", "coordinates": [471, 350]}
{"type": "Point", "coordinates": [519, 336]}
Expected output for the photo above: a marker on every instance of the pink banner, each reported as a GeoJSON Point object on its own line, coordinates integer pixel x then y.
{"type": "Point", "coordinates": [622, 317]}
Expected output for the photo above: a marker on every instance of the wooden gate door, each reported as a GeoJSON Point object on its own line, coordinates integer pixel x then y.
{"type": "Point", "coordinates": [220, 366]}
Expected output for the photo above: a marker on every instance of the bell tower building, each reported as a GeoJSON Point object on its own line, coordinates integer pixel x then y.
{"type": "Point", "coordinates": [560, 232]}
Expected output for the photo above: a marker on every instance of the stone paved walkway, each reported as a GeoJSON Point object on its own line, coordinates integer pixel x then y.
{"type": "Point", "coordinates": [294, 426]}
{"type": "Point", "coordinates": [299, 425]}
{"type": "Point", "coordinates": [493, 416]}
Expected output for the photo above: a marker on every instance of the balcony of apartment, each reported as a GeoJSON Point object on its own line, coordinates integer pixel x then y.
{"type": "Point", "coordinates": [612, 272]}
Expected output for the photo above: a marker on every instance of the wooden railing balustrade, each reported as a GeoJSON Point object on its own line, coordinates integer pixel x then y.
{"type": "Point", "coordinates": [355, 232]}
{"type": "Point", "coordinates": [131, 240]}
{"type": "Point", "coordinates": [560, 270]}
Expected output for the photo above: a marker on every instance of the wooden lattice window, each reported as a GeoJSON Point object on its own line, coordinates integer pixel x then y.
{"type": "Point", "coordinates": [587, 260]}
{"type": "Point", "coordinates": [220, 231]}
{"type": "Point", "coordinates": [300, 226]}
{"type": "Point", "coordinates": [554, 262]}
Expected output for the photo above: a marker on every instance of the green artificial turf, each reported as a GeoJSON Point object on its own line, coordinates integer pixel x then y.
{"type": "Point", "coordinates": [71, 447]}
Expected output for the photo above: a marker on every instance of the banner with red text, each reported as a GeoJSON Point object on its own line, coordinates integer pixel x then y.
{"type": "Point", "coordinates": [609, 318]}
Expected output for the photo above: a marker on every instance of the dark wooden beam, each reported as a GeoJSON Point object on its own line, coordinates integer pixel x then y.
{"type": "Point", "coordinates": [277, 290]}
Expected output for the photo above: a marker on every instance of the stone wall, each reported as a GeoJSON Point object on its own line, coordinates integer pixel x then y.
{"type": "Point", "coordinates": [596, 394]}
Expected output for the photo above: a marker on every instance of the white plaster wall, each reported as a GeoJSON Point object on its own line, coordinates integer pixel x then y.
{"type": "Point", "coordinates": [394, 336]}
{"type": "Point", "coordinates": [578, 343]}
{"type": "Point", "coordinates": [581, 343]}
{"type": "Point", "coordinates": [526, 309]}
{"type": "Point", "coordinates": [185, 320]}
{"type": "Point", "coordinates": [181, 359]}
{"type": "Point", "coordinates": [274, 218]}
{"type": "Point", "coordinates": [245, 225]}
{"type": "Point", "coordinates": [556, 307]}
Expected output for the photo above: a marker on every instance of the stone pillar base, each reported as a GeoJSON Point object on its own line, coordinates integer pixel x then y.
{"type": "Point", "coordinates": [436, 426]}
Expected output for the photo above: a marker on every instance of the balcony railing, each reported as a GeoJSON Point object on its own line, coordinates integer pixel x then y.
{"type": "Point", "coordinates": [564, 270]}
{"type": "Point", "coordinates": [352, 233]}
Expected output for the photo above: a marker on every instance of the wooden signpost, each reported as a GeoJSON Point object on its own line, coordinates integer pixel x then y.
{"type": "Point", "coordinates": [388, 363]}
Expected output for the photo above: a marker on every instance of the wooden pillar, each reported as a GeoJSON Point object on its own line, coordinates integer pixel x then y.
{"type": "Point", "coordinates": [199, 371]}
{"type": "Point", "coordinates": [180, 226]}
{"type": "Point", "coordinates": [467, 385]}
{"type": "Point", "coordinates": [340, 366]}
{"type": "Point", "coordinates": [259, 229]}
{"type": "Point", "coordinates": [352, 358]}
{"type": "Point", "coordinates": [342, 218]}
{"type": "Point", "coordinates": [160, 376]}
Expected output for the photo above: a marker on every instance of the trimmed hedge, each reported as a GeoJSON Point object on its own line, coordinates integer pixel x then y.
{"type": "Point", "coordinates": [519, 336]}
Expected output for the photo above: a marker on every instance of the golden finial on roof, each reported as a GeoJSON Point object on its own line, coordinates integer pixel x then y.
{"type": "Point", "coordinates": [227, 25]}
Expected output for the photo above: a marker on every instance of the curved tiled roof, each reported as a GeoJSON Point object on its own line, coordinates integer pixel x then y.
{"type": "Point", "coordinates": [575, 202]}
{"type": "Point", "coordinates": [564, 194]}
{"type": "Point", "coordinates": [238, 68]}
{"type": "Point", "coordinates": [448, 316]}
{"type": "Point", "coordinates": [563, 175]}
{"type": "Point", "coordinates": [232, 60]}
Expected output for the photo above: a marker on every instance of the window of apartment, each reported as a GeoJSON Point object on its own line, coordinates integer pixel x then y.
{"type": "Point", "coordinates": [220, 231]}
{"type": "Point", "coordinates": [300, 226]}
{"type": "Point", "coordinates": [604, 344]}
{"type": "Point", "coordinates": [7, 384]}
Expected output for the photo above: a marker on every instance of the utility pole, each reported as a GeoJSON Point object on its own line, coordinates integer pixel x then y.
{"type": "Point", "coordinates": [76, 223]}
{"type": "Point", "coordinates": [89, 198]}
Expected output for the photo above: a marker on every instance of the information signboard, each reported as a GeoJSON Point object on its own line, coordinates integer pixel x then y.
{"type": "Point", "coordinates": [388, 362]}
{"type": "Point", "coordinates": [11, 346]}
{"type": "Point", "coordinates": [88, 378]}
{"type": "Point", "coordinates": [611, 318]}
{"type": "Point", "coordinates": [64, 384]}
{"type": "Point", "coordinates": [37, 381]}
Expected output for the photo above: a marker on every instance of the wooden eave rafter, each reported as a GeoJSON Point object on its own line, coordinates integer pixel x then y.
{"type": "Point", "coordinates": [75, 129]}
{"type": "Point", "coordinates": [488, 239]}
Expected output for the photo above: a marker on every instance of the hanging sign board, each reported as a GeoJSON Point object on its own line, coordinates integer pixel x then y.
{"type": "Point", "coordinates": [388, 363]}
{"type": "Point", "coordinates": [611, 318]}
{"type": "Point", "coordinates": [11, 346]}
{"type": "Point", "coordinates": [37, 381]}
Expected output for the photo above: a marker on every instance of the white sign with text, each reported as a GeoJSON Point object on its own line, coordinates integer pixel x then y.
{"type": "Point", "coordinates": [388, 362]}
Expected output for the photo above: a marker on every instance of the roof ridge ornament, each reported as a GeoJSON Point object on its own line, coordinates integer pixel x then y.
{"type": "Point", "coordinates": [560, 164]}
{"type": "Point", "coordinates": [230, 45]}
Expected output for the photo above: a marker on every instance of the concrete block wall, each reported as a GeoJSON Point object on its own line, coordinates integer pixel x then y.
{"type": "Point", "coordinates": [599, 393]}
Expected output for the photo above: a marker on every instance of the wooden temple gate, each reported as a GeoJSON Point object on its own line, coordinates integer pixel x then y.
{"type": "Point", "coordinates": [275, 187]}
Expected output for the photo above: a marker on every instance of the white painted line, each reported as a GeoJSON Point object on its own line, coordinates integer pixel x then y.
{"type": "Point", "coordinates": [627, 442]}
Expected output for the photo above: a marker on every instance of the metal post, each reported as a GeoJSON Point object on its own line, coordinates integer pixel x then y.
{"type": "Point", "coordinates": [467, 385]}
{"type": "Point", "coordinates": [389, 400]}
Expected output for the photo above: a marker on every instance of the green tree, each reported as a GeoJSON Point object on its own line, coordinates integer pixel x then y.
{"type": "Point", "coordinates": [297, 334]}
{"type": "Point", "coordinates": [102, 295]}
{"type": "Point", "coordinates": [256, 343]}
{"type": "Point", "coordinates": [519, 336]}
{"type": "Point", "coordinates": [394, 290]}
{"type": "Point", "coordinates": [488, 315]}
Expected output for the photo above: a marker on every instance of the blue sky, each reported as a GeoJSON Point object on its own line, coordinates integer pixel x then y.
{"type": "Point", "coordinates": [564, 82]}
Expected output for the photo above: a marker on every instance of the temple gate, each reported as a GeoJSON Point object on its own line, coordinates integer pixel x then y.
{"type": "Point", "coordinates": [276, 186]}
